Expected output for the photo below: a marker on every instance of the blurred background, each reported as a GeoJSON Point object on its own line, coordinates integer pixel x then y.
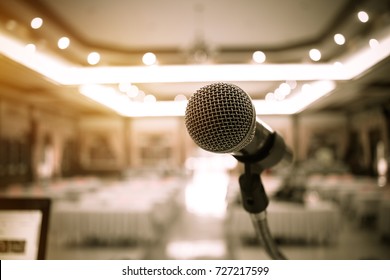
{"type": "Point", "coordinates": [92, 102]}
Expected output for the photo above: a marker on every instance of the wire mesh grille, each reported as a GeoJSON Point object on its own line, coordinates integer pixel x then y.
{"type": "Point", "coordinates": [220, 118]}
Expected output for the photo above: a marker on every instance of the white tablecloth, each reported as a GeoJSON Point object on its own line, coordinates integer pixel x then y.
{"type": "Point", "coordinates": [315, 222]}
{"type": "Point", "coordinates": [78, 224]}
{"type": "Point", "coordinates": [358, 197]}
{"type": "Point", "coordinates": [126, 212]}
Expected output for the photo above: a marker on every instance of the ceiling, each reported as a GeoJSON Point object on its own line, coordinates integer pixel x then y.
{"type": "Point", "coordinates": [200, 32]}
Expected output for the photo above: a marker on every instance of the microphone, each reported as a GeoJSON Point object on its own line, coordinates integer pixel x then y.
{"type": "Point", "coordinates": [221, 118]}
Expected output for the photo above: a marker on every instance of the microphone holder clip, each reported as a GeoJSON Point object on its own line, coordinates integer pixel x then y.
{"type": "Point", "coordinates": [254, 198]}
{"type": "Point", "coordinates": [255, 201]}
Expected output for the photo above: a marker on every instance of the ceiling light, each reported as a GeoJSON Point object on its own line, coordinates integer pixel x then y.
{"type": "Point", "coordinates": [155, 109]}
{"type": "Point", "coordinates": [284, 89]}
{"type": "Point", "coordinates": [133, 91]}
{"type": "Point", "coordinates": [296, 103]}
{"type": "Point", "coordinates": [292, 84]}
{"type": "Point", "coordinates": [258, 57]}
{"type": "Point", "coordinates": [180, 97]}
{"type": "Point", "coordinates": [149, 58]}
{"type": "Point", "coordinates": [63, 43]}
{"type": "Point", "coordinates": [140, 96]}
{"type": "Point", "coordinates": [125, 107]}
{"type": "Point", "coordinates": [270, 96]}
{"type": "Point", "coordinates": [306, 88]}
{"type": "Point", "coordinates": [363, 16]}
{"type": "Point", "coordinates": [200, 73]}
{"type": "Point", "coordinates": [373, 43]}
{"type": "Point", "coordinates": [365, 58]}
{"type": "Point", "coordinates": [36, 23]}
{"type": "Point", "coordinates": [93, 58]}
{"type": "Point", "coordinates": [150, 98]}
{"type": "Point", "coordinates": [279, 95]}
{"type": "Point", "coordinates": [315, 54]}
{"type": "Point", "coordinates": [339, 39]}
{"type": "Point", "coordinates": [64, 73]}
{"type": "Point", "coordinates": [30, 48]}
{"type": "Point", "coordinates": [124, 86]}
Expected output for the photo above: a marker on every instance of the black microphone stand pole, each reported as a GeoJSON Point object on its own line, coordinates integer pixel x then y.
{"type": "Point", "coordinates": [255, 202]}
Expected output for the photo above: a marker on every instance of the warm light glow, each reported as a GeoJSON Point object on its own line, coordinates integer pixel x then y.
{"type": "Point", "coordinates": [65, 73]}
{"type": "Point", "coordinates": [295, 104]}
{"type": "Point", "coordinates": [365, 58]}
{"type": "Point", "coordinates": [258, 57]}
{"type": "Point", "coordinates": [206, 193]}
{"type": "Point", "coordinates": [306, 88]}
{"type": "Point", "coordinates": [53, 68]}
{"type": "Point", "coordinates": [278, 95]}
{"type": "Point", "coordinates": [124, 86]}
{"type": "Point", "coordinates": [180, 97]}
{"type": "Point", "coordinates": [315, 54]}
{"type": "Point", "coordinates": [373, 43]}
{"type": "Point", "coordinates": [292, 84]}
{"type": "Point", "coordinates": [121, 104]}
{"type": "Point", "coordinates": [133, 91]}
{"type": "Point", "coordinates": [270, 97]}
{"type": "Point", "coordinates": [150, 98]}
{"type": "Point", "coordinates": [157, 109]}
{"type": "Point", "coordinates": [11, 24]}
{"type": "Point", "coordinates": [36, 23]}
{"type": "Point", "coordinates": [30, 48]}
{"type": "Point", "coordinates": [339, 39]}
{"type": "Point", "coordinates": [284, 89]}
{"type": "Point", "coordinates": [107, 96]}
{"type": "Point", "coordinates": [93, 58]}
{"type": "Point", "coordinates": [63, 43]}
{"type": "Point", "coordinates": [202, 73]}
{"type": "Point", "coordinates": [140, 96]}
{"type": "Point", "coordinates": [149, 59]}
{"type": "Point", "coordinates": [363, 16]}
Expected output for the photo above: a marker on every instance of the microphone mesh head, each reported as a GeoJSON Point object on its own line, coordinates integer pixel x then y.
{"type": "Point", "coordinates": [220, 118]}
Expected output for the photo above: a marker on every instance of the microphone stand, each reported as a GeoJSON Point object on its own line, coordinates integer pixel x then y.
{"type": "Point", "coordinates": [255, 202]}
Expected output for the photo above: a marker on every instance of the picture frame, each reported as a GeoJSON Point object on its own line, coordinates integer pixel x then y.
{"type": "Point", "coordinates": [24, 225]}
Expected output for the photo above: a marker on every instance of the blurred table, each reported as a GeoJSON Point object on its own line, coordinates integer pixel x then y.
{"type": "Point", "coordinates": [127, 212]}
{"type": "Point", "coordinates": [316, 222]}
{"type": "Point", "coordinates": [103, 224]}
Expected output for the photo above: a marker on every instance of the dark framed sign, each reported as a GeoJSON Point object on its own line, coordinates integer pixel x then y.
{"type": "Point", "coordinates": [24, 224]}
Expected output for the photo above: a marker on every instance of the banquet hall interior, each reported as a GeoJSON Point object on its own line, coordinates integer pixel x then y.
{"type": "Point", "coordinates": [93, 98]}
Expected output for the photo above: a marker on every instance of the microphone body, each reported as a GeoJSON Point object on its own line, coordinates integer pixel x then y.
{"type": "Point", "coordinates": [266, 150]}
{"type": "Point", "coordinates": [221, 118]}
